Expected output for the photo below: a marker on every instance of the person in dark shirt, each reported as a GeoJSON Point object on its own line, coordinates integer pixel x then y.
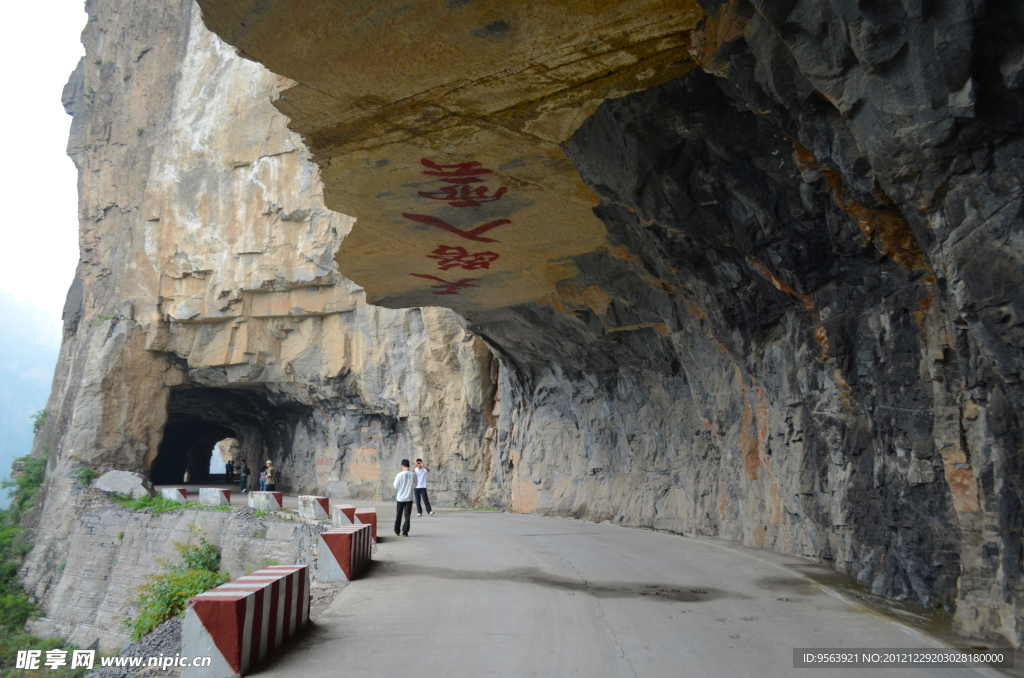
{"type": "Point", "coordinates": [244, 476]}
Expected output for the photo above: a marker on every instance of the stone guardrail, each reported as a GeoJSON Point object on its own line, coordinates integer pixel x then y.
{"type": "Point", "coordinates": [178, 494]}
{"type": "Point", "coordinates": [239, 623]}
{"type": "Point", "coordinates": [214, 496]}
{"type": "Point", "coordinates": [266, 501]}
{"type": "Point", "coordinates": [343, 514]}
{"type": "Point", "coordinates": [346, 514]}
{"type": "Point", "coordinates": [368, 516]}
{"type": "Point", "coordinates": [314, 508]}
{"type": "Point", "coordinates": [344, 553]}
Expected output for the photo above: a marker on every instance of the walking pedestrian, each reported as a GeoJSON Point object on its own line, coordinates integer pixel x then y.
{"type": "Point", "coordinates": [263, 480]}
{"type": "Point", "coordinates": [405, 481]}
{"type": "Point", "coordinates": [244, 476]}
{"type": "Point", "coordinates": [229, 471]}
{"type": "Point", "coordinates": [421, 472]}
{"type": "Point", "coordinates": [271, 476]}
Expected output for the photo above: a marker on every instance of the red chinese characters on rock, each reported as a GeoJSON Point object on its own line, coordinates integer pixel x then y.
{"type": "Point", "coordinates": [447, 287]}
{"type": "Point", "coordinates": [461, 173]}
{"type": "Point", "coordinates": [473, 234]}
{"type": "Point", "coordinates": [451, 257]}
{"type": "Point", "coordinates": [459, 192]}
{"type": "Point", "coordinates": [464, 196]}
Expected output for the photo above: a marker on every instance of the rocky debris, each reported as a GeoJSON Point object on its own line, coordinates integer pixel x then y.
{"type": "Point", "coordinates": [126, 483]}
{"type": "Point", "coordinates": [321, 597]}
{"type": "Point", "coordinates": [164, 640]}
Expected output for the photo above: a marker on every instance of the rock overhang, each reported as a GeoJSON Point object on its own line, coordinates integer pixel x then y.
{"type": "Point", "coordinates": [438, 125]}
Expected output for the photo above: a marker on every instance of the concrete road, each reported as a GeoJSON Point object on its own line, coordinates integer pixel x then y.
{"type": "Point", "coordinates": [492, 594]}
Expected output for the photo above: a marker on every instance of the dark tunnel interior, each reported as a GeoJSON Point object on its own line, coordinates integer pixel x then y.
{"type": "Point", "coordinates": [200, 417]}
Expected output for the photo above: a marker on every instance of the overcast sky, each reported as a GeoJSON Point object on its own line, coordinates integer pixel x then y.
{"type": "Point", "coordinates": [39, 222]}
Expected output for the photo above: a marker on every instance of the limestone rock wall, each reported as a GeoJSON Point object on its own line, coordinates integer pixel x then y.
{"type": "Point", "coordinates": [207, 305]}
{"type": "Point", "coordinates": [802, 329]}
{"type": "Point", "coordinates": [112, 549]}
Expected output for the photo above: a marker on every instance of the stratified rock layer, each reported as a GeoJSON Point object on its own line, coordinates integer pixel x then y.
{"type": "Point", "coordinates": [803, 330]}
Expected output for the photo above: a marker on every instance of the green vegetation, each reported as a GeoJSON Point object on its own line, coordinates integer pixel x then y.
{"type": "Point", "coordinates": [164, 595]}
{"type": "Point", "coordinates": [16, 608]}
{"type": "Point", "coordinates": [85, 475]}
{"type": "Point", "coordinates": [220, 508]}
{"type": "Point", "coordinates": [120, 535]}
{"type": "Point", "coordinates": [39, 420]}
{"type": "Point", "coordinates": [484, 508]}
{"type": "Point", "coordinates": [158, 504]}
{"type": "Point", "coordinates": [260, 534]}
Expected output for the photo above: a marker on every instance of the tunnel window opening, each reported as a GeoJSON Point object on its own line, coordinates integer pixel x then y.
{"type": "Point", "coordinates": [206, 427]}
{"type": "Point", "coordinates": [187, 452]}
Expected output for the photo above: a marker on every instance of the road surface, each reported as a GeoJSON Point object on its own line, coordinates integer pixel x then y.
{"type": "Point", "coordinates": [474, 593]}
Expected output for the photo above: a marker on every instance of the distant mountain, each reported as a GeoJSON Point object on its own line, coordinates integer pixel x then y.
{"type": "Point", "coordinates": [29, 346]}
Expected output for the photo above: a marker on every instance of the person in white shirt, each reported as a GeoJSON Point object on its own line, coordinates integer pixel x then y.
{"type": "Point", "coordinates": [421, 472]}
{"type": "Point", "coordinates": [405, 481]}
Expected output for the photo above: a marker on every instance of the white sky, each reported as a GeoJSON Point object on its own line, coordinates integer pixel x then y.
{"type": "Point", "coordinates": [39, 225]}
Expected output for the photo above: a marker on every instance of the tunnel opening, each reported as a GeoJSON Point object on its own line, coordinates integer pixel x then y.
{"type": "Point", "coordinates": [207, 425]}
{"type": "Point", "coordinates": [186, 451]}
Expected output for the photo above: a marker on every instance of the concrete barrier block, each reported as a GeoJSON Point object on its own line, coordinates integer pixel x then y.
{"type": "Point", "coordinates": [368, 516]}
{"type": "Point", "coordinates": [214, 496]}
{"type": "Point", "coordinates": [178, 494]}
{"type": "Point", "coordinates": [314, 508]}
{"type": "Point", "coordinates": [239, 623]}
{"type": "Point", "coordinates": [344, 553]}
{"type": "Point", "coordinates": [343, 514]}
{"type": "Point", "coordinates": [266, 501]}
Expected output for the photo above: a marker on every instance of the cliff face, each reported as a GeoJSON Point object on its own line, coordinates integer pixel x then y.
{"type": "Point", "coordinates": [796, 321]}
{"type": "Point", "coordinates": [207, 305]}
{"type": "Point", "coordinates": [749, 269]}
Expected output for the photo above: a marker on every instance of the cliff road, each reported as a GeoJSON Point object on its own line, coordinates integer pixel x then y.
{"type": "Point", "coordinates": [746, 274]}
{"type": "Point", "coordinates": [478, 594]}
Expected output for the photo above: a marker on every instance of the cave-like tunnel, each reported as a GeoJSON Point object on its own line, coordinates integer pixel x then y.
{"type": "Point", "coordinates": [198, 418]}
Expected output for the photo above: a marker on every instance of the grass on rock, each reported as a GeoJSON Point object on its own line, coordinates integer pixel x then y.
{"type": "Point", "coordinates": [164, 595]}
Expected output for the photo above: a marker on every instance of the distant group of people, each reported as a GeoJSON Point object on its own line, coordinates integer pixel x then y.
{"type": "Point", "coordinates": [268, 476]}
{"type": "Point", "coordinates": [409, 484]}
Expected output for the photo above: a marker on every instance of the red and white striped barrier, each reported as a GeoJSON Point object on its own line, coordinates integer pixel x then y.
{"type": "Point", "coordinates": [343, 514]}
{"type": "Point", "coordinates": [368, 516]}
{"type": "Point", "coordinates": [314, 508]}
{"type": "Point", "coordinates": [241, 622]}
{"type": "Point", "coordinates": [178, 494]}
{"type": "Point", "coordinates": [266, 501]}
{"type": "Point", "coordinates": [344, 553]}
{"type": "Point", "coordinates": [214, 496]}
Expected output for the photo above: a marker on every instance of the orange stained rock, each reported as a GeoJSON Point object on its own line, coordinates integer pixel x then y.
{"type": "Point", "coordinates": [377, 88]}
{"type": "Point", "coordinates": [591, 296]}
{"type": "Point", "coordinates": [695, 312]}
{"type": "Point", "coordinates": [364, 465]}
{"type": "Point", "coordinates": [820, 333]}
{"type": "Point", "coordinates": [662, 328]}
{"type": "Point", "coordinates": [749, 443]}
{"type": "Point", "coordinates": [706, 41]}
{"type": "Point", "coordinates": [895, 238]}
